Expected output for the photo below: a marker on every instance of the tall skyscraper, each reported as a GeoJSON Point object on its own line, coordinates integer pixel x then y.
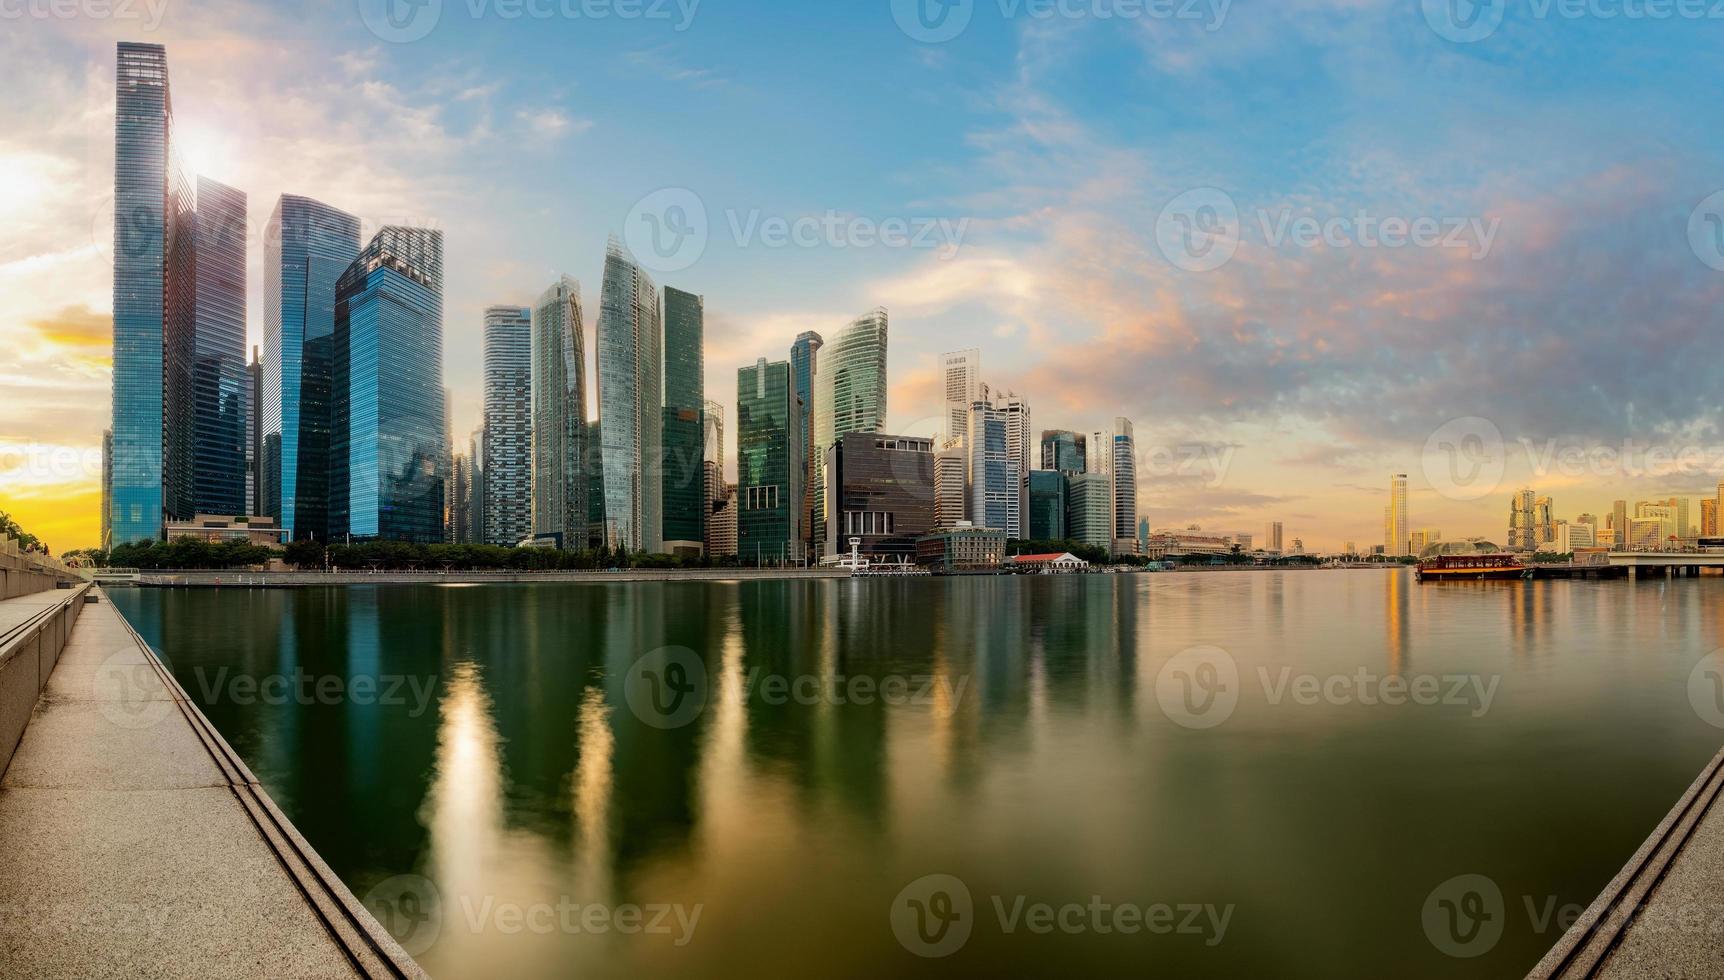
{"type": "Point", "coordinates": [683, 476]}
{"type": "Point", "coordinates": [1063, 450]}
{"type": "Point", "coordinates": [143, 169]}
{"type": "Point", "coordinates": [1272, 539]}
{"type": "Point", "coordinates": [768, 470]}
{"type": "Point", "coordinates": [390, 434]}
{"type": "Point", "coordinates": [1619, 520]}
{"type": "Point", "coordinates": [993, 495]}
{"type": "Point", "coordinates": [1089, 510]}
{"type": "Point", "coordinates": [1124, 449]}
{"type": "Point", "coordinates": [712, 467]}
{"type": "Point", "coordinates": [849, 394]}
{"type": "Point", "coordinates": [254, 433]}
{"type": "Point", "coordinates": [961, 379]}
{"type": "Point", "coordinates": [476, 487]}
{"type": "Point", "coordinates": [107, 489]}
{"type": "Point", "coordinates": [1021, 449]}
{"type": "Point", "coordinates": [951, 469]}
{"type": "Point", "coordinates": [307, 248]}
{"type": "Point", "coordinates": [805, 364]}
{"type": "Point", "coordinates": [631, 402]}
{"type": "Point", "coordinates": [508, 425]}
{"type": "Point", "coordinates": [206, 379]}
{"type": "Point", "coordinates": [1395, 539]}
{"type": "Point", "coordinates": [460, 500]}
{"type": "Point", "coordinates": [1047, 516]}
{"type": "Point", "coordinates": [559, 393]}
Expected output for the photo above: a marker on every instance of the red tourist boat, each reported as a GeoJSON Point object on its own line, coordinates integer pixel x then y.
{"type": "Point", "coordinates": [1471, 561]}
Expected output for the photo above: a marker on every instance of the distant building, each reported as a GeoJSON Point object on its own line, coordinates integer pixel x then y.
{"type": "Point", "coordinates": [460, 530]}
{"type": "Point", "coordinates": [962, 549]}
{"type": "Point", "coordinates": [1647, 533]}
{"type": "Point", "coordinates": [721, 525]}
{"type": "Point", "coordinates": [1523, 534]}
{"type": "Point", "coordinates": [1047, 513]}
{"type": "Point", "coordinates": [1395, 539]}
{"type": "Point", "coordinates": [1124, 471]}
{"type": "Point", "coordinates": [1089, 510]}
{"type": "Point", "coordinates": [1708, 517]}
{"type": "Point", "coordinates": [712, 471]}
{"type": "Point", "coordinates": [476, 487]}
{"type": "Point", "coordinates": [849, 394]}
{"type": "Point", "coordinates": [992, 491]}
{"type": "Point", "coordinates": [768, 465]}
{"type": "Point", "coordinates": [682, 480]}
{"type": "Point", "coordinates": [254, 433]}
{"type": "Point", "coordinates": [390, 434]}
{"type": "Point", "coordinates": [951, 466]}
{"type": "Point", "coordinates": [631, 401]}
{"type": "Point", "coordinates": [1057, 564]}
{"type": "Point", "coordinates": [880, 489]}
{"type": "Point", "coordinates": [805, 365]}
{"type": "Point", "coordinates": [107, 489]}
{"type": "Point", "coordinates": [1423, 538]}
{"type": "Point", "coordinates": [1021, 452]}
{"type": "Point", "coordinates": [961, 382]}
{"type": "Point", "coordinates": [1063, 451]}
{"type": "Point", "coordinates": [1272, 537]}
{"type": "Point", "coordinates": [559, 421]}
{"type": "Point", "coordinates": [508, 425]}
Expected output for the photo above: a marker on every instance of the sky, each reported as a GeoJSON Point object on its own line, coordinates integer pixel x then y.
{"type": "Point", "coordinates": [1302, 244]}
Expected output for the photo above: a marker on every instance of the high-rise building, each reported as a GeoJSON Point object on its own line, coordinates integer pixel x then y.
{"type": "Point", "coordinates": [143, 172]}
{"type": "Point", "coordinates": [1089, 510]}
{"type": "Point", "coordinates": [1047, 512]}
{"type": "Point", "coordinates": [1063, 451]}
{"type": "Point", "coordinates": [1421, 539]}
{"type": "Point", "coordinates": [1665, 512]}
{"type": "Point", "coordinates": [805, 364]}
{"type": "Point", "coordinates": [205, 377]}
{"type": "Point", "coordinates": [993, 495]}
{"type": "Point", "coordinates": [559, 428]}
{"type": "Point", "coordinates": [1395, 542]}
{"type": "Point", "coordinates": [768, 470]}
{"type": "Point", "coordinates": [1708, 517]}
{"type": "Point", "coordinates": [951, 466]}
{"type": "Point", "coordinates": [1124, 448]}
{"type": "Point", "coordinates": [390, 433]}
{"type": "Point", "coordinates": [476, 487]}
{"type": "Point", "coordinates": [683, 477]}
{"type": "Point", "coordinates": [1684, 527]}
{"type": "Point", "coordinates": [712, 466]}
{"type": "Point", "coordinates": [1272, 537]}
{"type": "Point", "coordinates": [880, 492]}
{"type": "Point", "coordinates": [1099, 458]}
{"type": "Point", "coordinates": [849, 394]}
{"type": "Point", "coordinates": [307, 248]}
{"type": "Point", "coordinates": [1021, 450]}
{"type": "Point", "coordinates": [508, 425]}
{"type": "Point", "coordinates": [722, 526]}
{"type": "Point", "coordinates": [1619, 522]}
{"type": "Point", "coordinates": [631, 402]}
{"type": "Point", "coordinates": [961, 379]}
{"type": "Point", "coordinates": [1523, 535]}
{"type": "Point", "coordinates": [460, 500]}
{"type": "Point", "coordinates": [254, 433]}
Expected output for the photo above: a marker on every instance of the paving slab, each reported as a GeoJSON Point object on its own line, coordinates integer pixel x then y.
{"type": "Point", "coordinates": [1680, 930]}
{"type": "Point", "coordinates": [110, 746]}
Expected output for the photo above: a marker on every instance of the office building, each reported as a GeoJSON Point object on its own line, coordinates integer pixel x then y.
{"type": "Point", "coordinates": [993, 496]}
{"type": "Point", "coordinates": [460, 500]}
{"type": "Point", "coordinates": [390, 433]}
{"type": "Point", "coordinates": [951, 469]}
{"type": "Point", "coordinates": [712, 467]}
{"type": "Point", "coordinates": [768, 470]}
{"type": "Point", "coordinates": [559, 426]}
{"type": "Point", "coordinates": [307, 248]}
{"type": "Point", "coordinates": [1124, 447]}
{"type": "Point", "coordinates": [1089, 510]}
{"type": "Point", "coordinates": [961, 380]}
{"type": "Point", "coordinates": [1395, 541]}
{"type": "Point", "coordinates": [683, 489]}
{"type": "Point", "coordinates": [1708, 517]}
{"type": "Point", "coordinates": [880, 495]}
{"type": "Point", "coordinates": [1272, 537]}
{"type": "Point", "coordinates": [721, 527]}
{"type": "Point", "coordinates": [805, 364]}
{"type": "Point", "coordinates": [1524, 534]}
{"type": "Point", "coordinates": [508, 425]}
{"type": "Point", "coordinates": [476, 487]}
{"type": "Point", "coordinates": [1064, 451]}
{"type": "Point", "coordinates": [254, 434]}
{"type": "Point", "coordinates": [849, 394]}
{"type": "Point", "coordinates": [631, 402]}
{"type": "Point", "coordinates": [1047, 505]}
{"type": "Point", "coordinates": [1021, 450]}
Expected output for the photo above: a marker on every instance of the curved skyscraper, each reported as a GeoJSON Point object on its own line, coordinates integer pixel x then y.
{"type": "Point", "coordinates": [631, 401]}
{"type": "Point", "coordinates": [849, 394]}
{"type": "Point", "coordinates": [560, 415]}
{"type": "Point", "coordinates": [307, 247]}
{"type": "Point", "coordinates": [683, 479]}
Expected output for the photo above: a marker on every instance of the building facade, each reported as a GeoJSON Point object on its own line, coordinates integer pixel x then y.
{"type": "Point", "coordinates": [508, 425]}
{"type": "Point", "coordinates": [391, 442]}
{"type": "Point", "coordinates": [880, 494]}
{"type": "Point", "coordinates": [849, 393]}
{"type": "Point", "coordinates": [1124, 449]}
{"type": "Point", "coordinates": [1089, 510]}
{"type": "Point", "coordinates": [683, 483]}
{"type": "Point", "coordinates": [307, 248]}
{"type": "Point", "coordinates": [768, 466]}
{"type": "Point", "coordinates": [1063, 451]}
{"type": "Point", "coordinates": [805, 364]}
{"type": "Point", "coordinates": [961, 381]}
{"type": "Point", "coordinates": [962, 549]}
{"type": "Point", "coordinates": [1047, 510]}
{"type": "Point", "coordinates": [631, 400]}
{"type": "Point", "coordinates": [993, 497]}
{"type": "Point", "coordinates": [1021, 451]}
{"type": "Point", "coordinates": [559, 427]}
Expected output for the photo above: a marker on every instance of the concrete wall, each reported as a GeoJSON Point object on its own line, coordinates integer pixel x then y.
{"type": "Point", "coordinates": [26, 660]}
{"type": "Point", "coordinates": [22, 574]}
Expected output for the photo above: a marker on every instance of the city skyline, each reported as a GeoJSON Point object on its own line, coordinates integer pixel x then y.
{"type": "Point", "coordinates": [1010, 294]}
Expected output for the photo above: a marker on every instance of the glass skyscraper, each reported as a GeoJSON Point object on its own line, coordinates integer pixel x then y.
{"type": "Point", "coordinates": [559, 383]}
{"type": "Point", "coordinates": [850, 394]}
{"type": "Point", "coordinates": [390, 441]}
{"type": "Point", "coordinates": [307, 248]}
{"type": "Point", "coordinates": [1063, 450]}
{"type": "Point", "coordinates": [631, 401]}
{"type": "Point", "coordinates": [508, 425]}
{"type": "Point", "coordinates": [768, 465]}
{"type": "Point", "coordinates": [683, 478]}
{"type": "Point", "coordinates": [993, 494]}
{"type": "Point", "coordinates": [1047, 520]}
{"type": "Point", "coordinates": [1124, 482]}
{"type": "Point", "coordinates": [805, 365]}
{"type": "Point", "coordinates": [143, 130]}
{"type": "Point", "coordinates": [206, 377]}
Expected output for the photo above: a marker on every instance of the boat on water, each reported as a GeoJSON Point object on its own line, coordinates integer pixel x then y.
{"type": "Point", "coordinates": [1474, 560]}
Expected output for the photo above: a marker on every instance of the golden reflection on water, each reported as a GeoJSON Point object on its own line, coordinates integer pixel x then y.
{"type": "Point", "coordinates": [592, 790]}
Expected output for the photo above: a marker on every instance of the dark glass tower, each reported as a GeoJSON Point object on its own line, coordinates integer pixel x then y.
{"type": "Point", "coordinates": [559, 384]}
{"type": "Point", "coordinates": [630, 341]}
{"type": "Point", "coordinates": [804, 365]}
{"type": "Point", "coordinates": [390, 436]}
{"type": "Point", "coordinates": [684, 402]}
{"type": "Point", "coordinates": [307, 247]}
{"type": "Point", "coordinates": [768, 465]}
{"type": "Point", "coordinates": [143, 130]}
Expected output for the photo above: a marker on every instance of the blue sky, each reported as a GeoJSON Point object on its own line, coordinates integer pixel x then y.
{"type": "Point", "coordinates": [1297, 375]}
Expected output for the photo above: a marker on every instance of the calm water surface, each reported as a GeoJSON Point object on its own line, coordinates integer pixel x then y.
{"type": "Point", "coordinates": [491, 744]}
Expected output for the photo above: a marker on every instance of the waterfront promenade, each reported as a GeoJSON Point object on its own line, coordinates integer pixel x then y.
{"type": "Point", "coordinates": [134, 842]}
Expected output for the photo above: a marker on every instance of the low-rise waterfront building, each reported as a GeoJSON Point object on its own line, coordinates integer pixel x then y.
{"type": "Point", "coordinates": [213, 529]}
{"type": "Point", "coordinates": [965, 548]}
